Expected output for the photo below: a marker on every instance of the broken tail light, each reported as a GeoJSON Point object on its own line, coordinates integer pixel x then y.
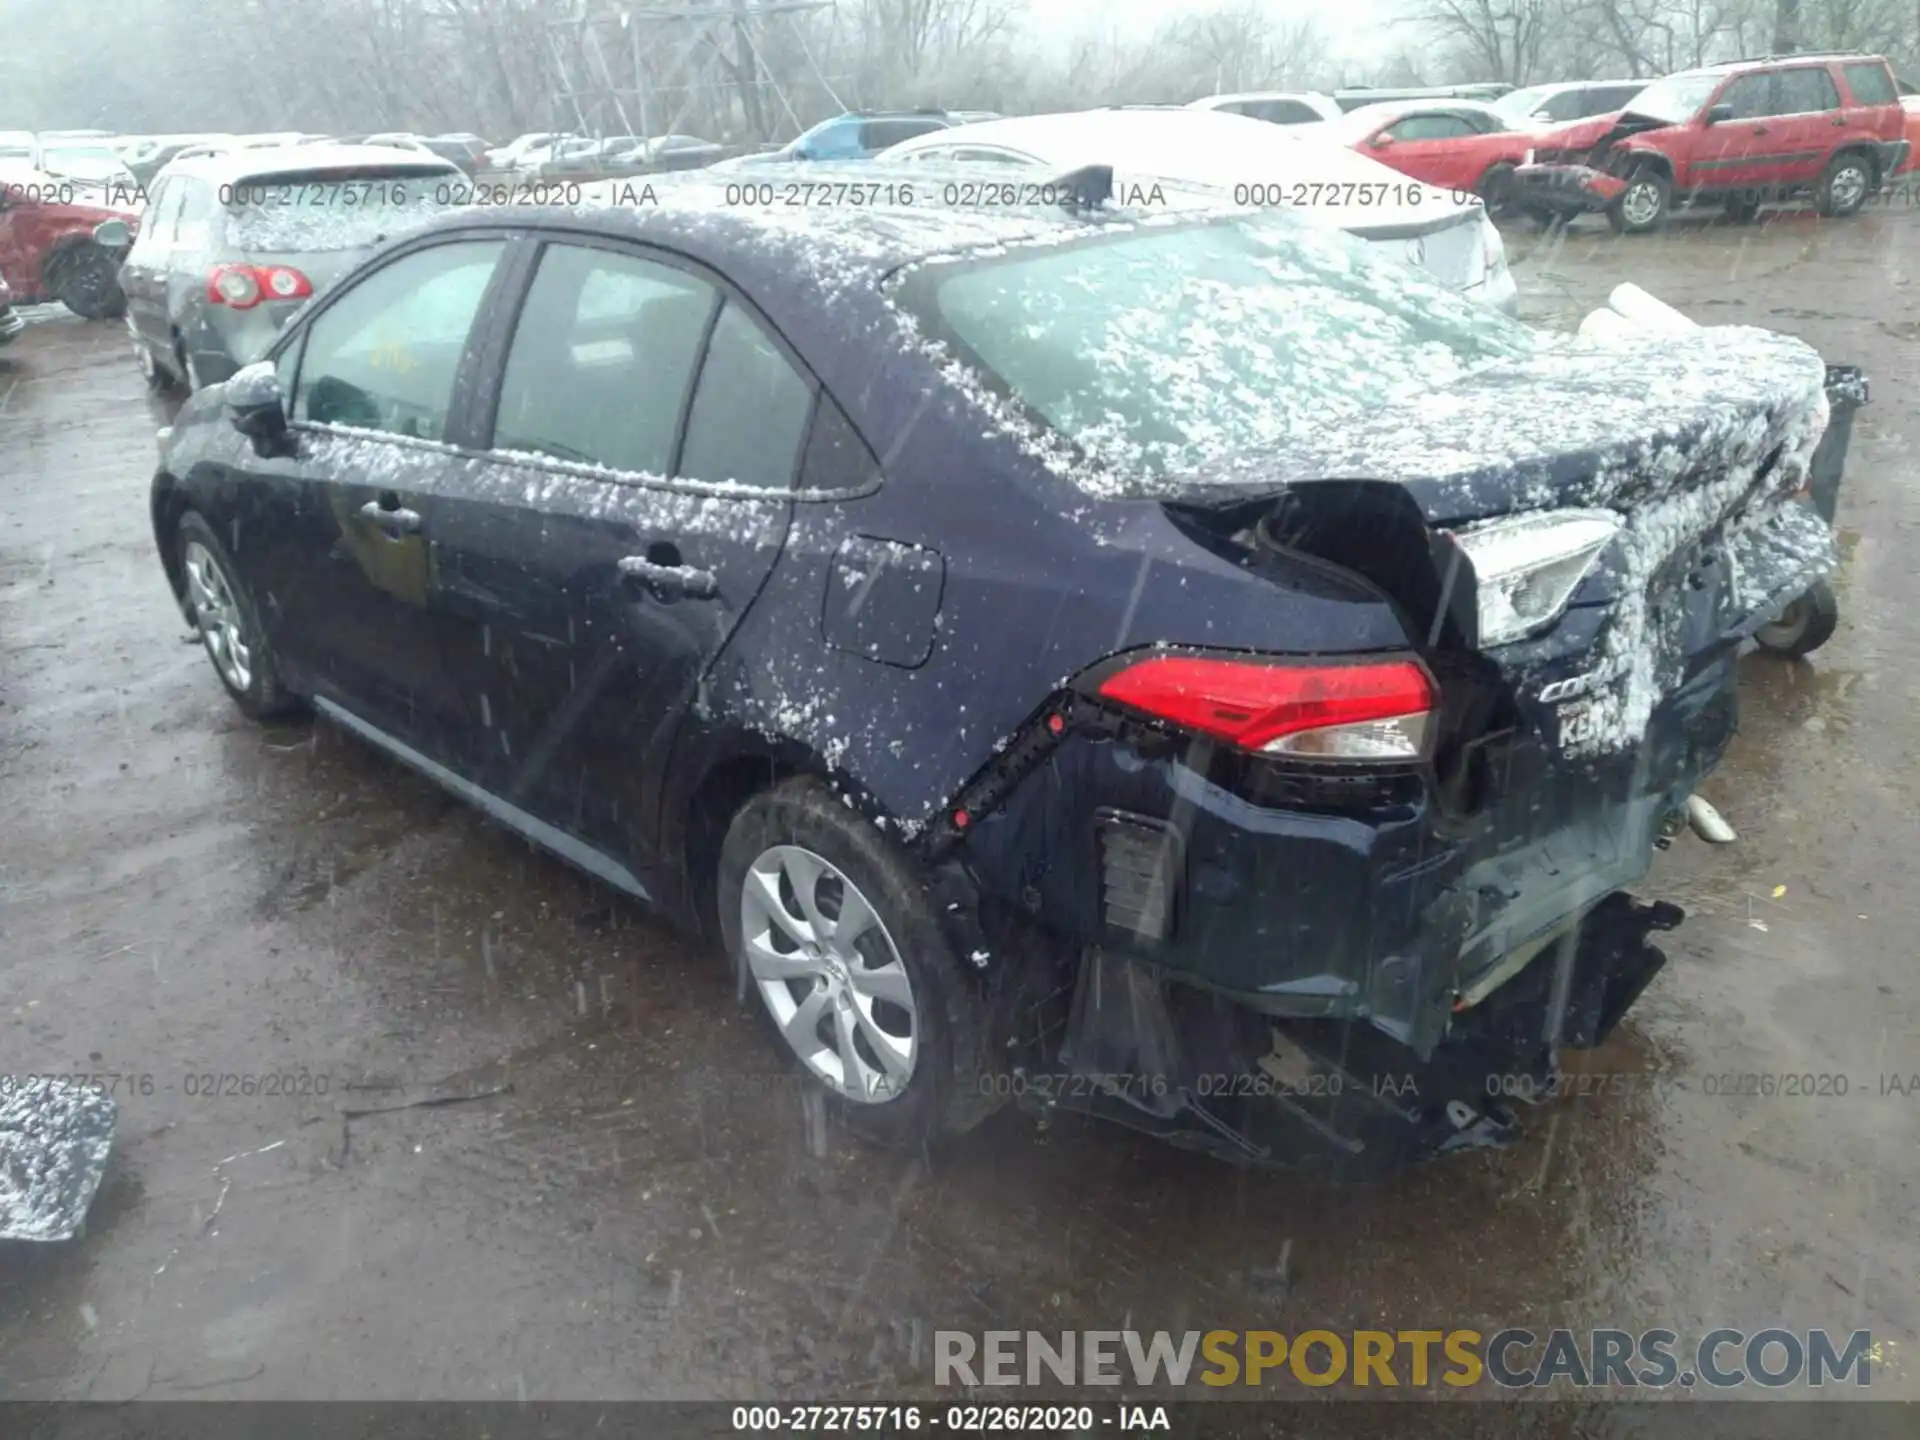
{"type": "Point", "coordinates": [1365, 711]}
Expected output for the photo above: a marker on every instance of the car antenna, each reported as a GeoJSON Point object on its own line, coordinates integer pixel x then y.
{"type": "Point", "coordinates": [1087, 188]}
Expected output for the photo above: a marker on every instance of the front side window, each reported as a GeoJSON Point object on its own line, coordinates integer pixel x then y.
{"type": "Point", "coordinates": [602, 360]}
{"type": "Point", "coordinates": [1156, 350]}
{"type": "Point", "coordinates": [384, 356]}
{"type": "Point", "coordinates": [1749, 97]}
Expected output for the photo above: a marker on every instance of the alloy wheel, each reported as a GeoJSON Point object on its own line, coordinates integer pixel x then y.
{"type": "Point", "coordinates": [218, 616]}
{"type": "Point", "coordinates": [1848, 187]}
{"type": "Point", "coordinates": [830, 974]}
{"type": "Point", "coordinates": [1641, 204]}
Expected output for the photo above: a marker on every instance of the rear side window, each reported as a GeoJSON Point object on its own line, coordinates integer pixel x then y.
{"type": "Point", "coordinates": [1279, 112]}
{"type": "Point", "coordinates": [602, 360]}
{"type": "Point", "coordinates": [1429, 127]}
{"type": "Point", "coordinates": [1804, 91]}
{"type": "Point", "coordinates": [1871, 84]}
{"type": "Point", "coordinates": [384, 356]}
{"type": "Point", "coordinates": [879, 134]}
{"type": "Point", "coordinates": [749, 410]}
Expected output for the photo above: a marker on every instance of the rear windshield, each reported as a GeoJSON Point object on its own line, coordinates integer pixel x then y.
{"type": "Point", "coordinates": [1159, 348]}
{"type": "Point", "coordinates": [334, 210]}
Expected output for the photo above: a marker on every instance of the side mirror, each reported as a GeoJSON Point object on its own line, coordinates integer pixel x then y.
{"type": "Point", "coordinates": [113, 234]}
{"type": "Point", "coordinates": [1718, 113]}
{"type": "Point", "coordinates": [254, 405]}
{"type": "Point", "coordinates": [1381, 141]}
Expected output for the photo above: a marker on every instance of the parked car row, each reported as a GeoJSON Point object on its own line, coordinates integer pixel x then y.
{"type": "Point", "coordinates": [1736, 134]}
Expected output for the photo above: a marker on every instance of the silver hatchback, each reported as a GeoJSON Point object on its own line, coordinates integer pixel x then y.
{"type": "Point", "coordinates": [234, 242]}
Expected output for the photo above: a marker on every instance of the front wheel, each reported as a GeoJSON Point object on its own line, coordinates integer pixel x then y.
{"type": "Point", "coordinates": [1804, 626]}
{"type": "Point", "coordinates": [229, 625]}
{"type": "Point", "coordinates": [830, 929]}
{"type": "Point", "coordinates": [86, 280]}
{"type": "Point", "coordinates": [1644, 205]}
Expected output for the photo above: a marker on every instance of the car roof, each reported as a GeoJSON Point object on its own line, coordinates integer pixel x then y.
{"type": "Point", "coordinates": [699, 213]}
{"type": "Point", "coordinates": [249, 163]}
{"type": "Point", "coordinates": [1782, 62]}
{"type": "Point", "coordinates": [1232, 95]}
{"type": "Point", "coordinates": [1387, 109]}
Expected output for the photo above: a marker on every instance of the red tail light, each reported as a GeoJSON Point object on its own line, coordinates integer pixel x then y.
{"type": "Point", "coordinates": [1377, 711]}
{"type": "Point", "coordinates": [244, 286]}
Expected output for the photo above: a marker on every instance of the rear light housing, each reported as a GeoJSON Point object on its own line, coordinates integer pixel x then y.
{"type": "Point", "coordinates": [1526, 567]}
{"type": "Point", "coordinates": [1357, 712]}
{"type": "Point", "coordinates": [241, 287]}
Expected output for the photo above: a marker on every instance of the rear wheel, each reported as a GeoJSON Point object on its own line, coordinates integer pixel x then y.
{"type": "Point", "coordinates": [1644, 205]}
{"type": "Point", "coordinates": [829, 927]}
{"type": "Point", "coordinates": [1804, 626]}
{"type": "Point", "coordinates": [229, 625]}
{"type": "Point", "coordinates": [86, 279]}
{"type": "Point", "coordinates": [1844, 185]}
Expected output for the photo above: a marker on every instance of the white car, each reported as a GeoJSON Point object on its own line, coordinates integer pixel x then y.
{"type": "Point", "coordinates": [86, 160]}
{"type": "Point", "coordinates": [1276, 107]}
{"type": "Point", "coordinates": [1253, 163]}
{"type": "Point", "coordinates": [529, 152]}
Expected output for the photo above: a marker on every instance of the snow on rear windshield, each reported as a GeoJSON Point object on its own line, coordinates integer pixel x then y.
{"type": "Point", "coordinates": [334, 210]}
{"type": "Point", "coordinates": [1156, 350]}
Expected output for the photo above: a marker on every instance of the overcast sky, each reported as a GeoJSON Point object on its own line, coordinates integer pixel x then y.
{"type": "Point", "coordinates": [1355, 29]}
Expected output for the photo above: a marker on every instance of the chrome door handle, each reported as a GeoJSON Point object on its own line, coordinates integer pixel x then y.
{"type": "Point", "coordinates": [394, 522]}
{"type": "Point", "coordinates": [670, 579]}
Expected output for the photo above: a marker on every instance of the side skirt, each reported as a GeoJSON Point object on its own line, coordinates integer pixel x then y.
{"type": "Point", "coordinates": [547, 837]}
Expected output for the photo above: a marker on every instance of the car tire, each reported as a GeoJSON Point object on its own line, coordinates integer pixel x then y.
{"type": "Point", "coordinates": [1743, 209]}
{"type": "Point", "coordinates": [1496, 190]}
{"type": "Point", "coordinates": [1805, 625]}
{"type": "Point", "coordinates": [1644, 205]}
{"type": "Point", "coordinates": [158, 378]}
{"type": "Point", "coordinates": [1843, 187]}
{"type": "Point", "coordinates": [86, 279]}
{"type": "Point", "coordinates": [229, 624]}
{"type": "Point", "coordinates": [896, 985]}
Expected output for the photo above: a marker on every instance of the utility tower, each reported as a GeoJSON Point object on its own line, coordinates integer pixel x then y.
{"type": "Point", "coordinates": [640, 69]}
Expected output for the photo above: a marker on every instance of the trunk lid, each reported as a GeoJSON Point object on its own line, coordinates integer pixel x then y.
{"type": "Point", "coordinates": [1582, 423]}
{"type": "Point", "coordinates": [1694, 441]}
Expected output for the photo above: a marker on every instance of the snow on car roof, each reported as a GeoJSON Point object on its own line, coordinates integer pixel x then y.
{"type": "Point", "coordinates": [261, 162]}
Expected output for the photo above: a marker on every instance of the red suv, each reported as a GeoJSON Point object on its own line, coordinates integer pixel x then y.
{"type": "Point", "coordinates": [47, 249]}
{"type": "Point", "coordinates": [1738, 134]}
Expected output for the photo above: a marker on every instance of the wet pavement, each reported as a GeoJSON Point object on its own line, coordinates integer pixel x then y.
{"type": "Point", "coordinates": [410, 1110]}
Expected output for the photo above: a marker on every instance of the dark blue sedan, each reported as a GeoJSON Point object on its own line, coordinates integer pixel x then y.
{"type": "Point", "coordinates": [1168, 662]}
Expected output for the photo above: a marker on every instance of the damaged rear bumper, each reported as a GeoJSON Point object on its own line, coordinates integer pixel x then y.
{"type": "Point", "coordinates": [1202, 1073]}
{"type": "Point", "coordinates": [1566, 189]}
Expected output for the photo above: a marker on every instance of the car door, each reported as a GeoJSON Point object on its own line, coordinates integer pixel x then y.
{"type": "Point", "coordinates": [143, 274]}
{"type": "Point", "coordinates": [1805, 120]}
{"type": "Point", "coordinates": [1737, 153]}
{"type": "Point", "coordinates": [643, 445]}
{"type": "Point", "coordinates": [378, 381]}
{"type": "Point", "coordinates": [1427, 145]}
